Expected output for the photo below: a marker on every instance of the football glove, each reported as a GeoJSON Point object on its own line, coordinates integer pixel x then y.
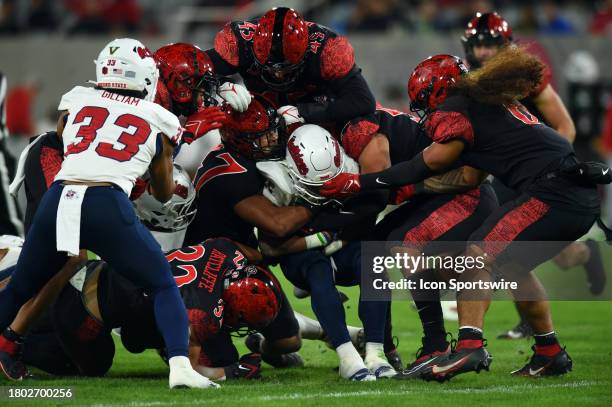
{"type": "Point", "coordinates": [237, 96]}
{"type": "Point", "coordinates": [343, 185]}
{"type": "Point", "coordinates": [202, 122]}
{"type": "Point", "coordinates": [248, 367]}
{"type": "Point", "coordinates": [290, 114]}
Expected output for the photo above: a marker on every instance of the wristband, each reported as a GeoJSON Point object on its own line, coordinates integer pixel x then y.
{"type": "Point", "coordinates": [316, 240]}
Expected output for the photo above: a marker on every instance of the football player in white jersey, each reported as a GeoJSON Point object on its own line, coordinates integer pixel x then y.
{"type": "Point", "coordinates": [314, 156]}
{"type": "Point", "coordinates": [112, 134]}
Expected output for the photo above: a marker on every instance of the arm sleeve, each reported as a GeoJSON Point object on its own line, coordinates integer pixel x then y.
{"type": "Point", "coordinates": [407, 172]}
{"type": "Point", "coordinates": [353, 98]}
{"type": "Point", "coordinates": [355, 210]}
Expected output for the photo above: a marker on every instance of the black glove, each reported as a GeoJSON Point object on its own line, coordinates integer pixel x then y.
{"type": "Point", "coordinates": [248, 367]}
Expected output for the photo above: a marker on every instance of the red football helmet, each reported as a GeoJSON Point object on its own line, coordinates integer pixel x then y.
{"type": "Point", "coordinates": [252, 299]}
{"type": "Point", "coordinates": [259, 133]}
{"type": "Point", "coordinates": [279, 47]}
{"type": "Point", "coordinates": [485, 29]}
{"type": "Point", "coordinates": [429, 82]}
{"type": "Point", "coordinates": [188, 74]}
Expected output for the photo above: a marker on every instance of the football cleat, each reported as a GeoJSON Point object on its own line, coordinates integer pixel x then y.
{"type": "Point", "coordinates": [541, 365]}
{"type": "Point", "coordinates": [184, 377]}
{"type": "Point", "coordinates": [394, 359]}
{"type": "Point", "coordinates": [447, 366]}
{"type": "Point", "coordinates": [421, 363]}
{"type": "Point", "coordinates": [13, 367]}
{"type": "Point", "coordinates": [520, 331]}
{"type": "Point", "coordinates": [596, 275]}
{"type": "Point", "coordinates": [379, 366]}
{"type": "Point", "coordinates": [362, 375]}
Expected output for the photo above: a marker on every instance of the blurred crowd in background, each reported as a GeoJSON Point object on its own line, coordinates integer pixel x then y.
{"type": "Point", "coordinates": [154, 17]}
{"type": "Point", "coordinates": [586, 85]}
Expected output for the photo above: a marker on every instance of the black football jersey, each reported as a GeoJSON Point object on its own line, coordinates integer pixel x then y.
{"type": "Point", "coordinates": [42, 164]}
{"type": "Point", "coordinates": [406, 136]}
{"type": "Point", "coordinates": [233, 53]}
{"type": "Point", "coordinates": [224, 179]}
{"type": "Point", "coordinates": [514, 146]}
{"type": "Point", "coordinates": [199, 272]}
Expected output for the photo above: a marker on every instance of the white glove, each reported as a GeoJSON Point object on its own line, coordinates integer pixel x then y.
{"type": "Point", "coordinates": [236, 95]}
{"type": "Point", "coordinates": [290, 114]}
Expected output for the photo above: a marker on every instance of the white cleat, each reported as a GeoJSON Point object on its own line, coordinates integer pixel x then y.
{"type": "Point", "coordinates": [355, 372]}
{"type": "Point", "coordinates": [184, 377]}
{"type": "Point", "coordinates": [379, 367]}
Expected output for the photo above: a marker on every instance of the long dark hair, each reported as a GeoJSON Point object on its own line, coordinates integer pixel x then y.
{"type": "Point", "coordinates": [512, 74]}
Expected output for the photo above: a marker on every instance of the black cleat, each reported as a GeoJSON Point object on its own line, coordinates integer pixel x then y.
{"type": "Point", "coordinates": [596, 275]}
{"type": "Point", "coordinates": [395, 360]}
{"type": "Point", "coordinates": [541, 365]}
{"type": "Point", "coordinates": [447, 366]}
{"type": "Point", "coordinates": [421, 363]}
{"type": "Point", "coordinates": [12, 367]}
{"type": "Point", "coordinates": [522, 330]}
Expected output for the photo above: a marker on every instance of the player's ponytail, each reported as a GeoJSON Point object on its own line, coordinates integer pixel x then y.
{"type": "Point", "coordinates": [510, 75]}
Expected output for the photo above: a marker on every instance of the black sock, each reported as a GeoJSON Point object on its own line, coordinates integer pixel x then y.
{"type": "Point", "coordinates": [12, 336]}
{"type": "Point", "coordinates": [432, 320]}
{"type": "Point", "coordinates": [546, 339]}
{"type": "Point", "coordinates": [467, 333]}
{"type": "Point", "coordinates": [389, 346]}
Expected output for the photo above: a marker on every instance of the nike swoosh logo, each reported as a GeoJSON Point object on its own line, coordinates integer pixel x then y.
{"type": "Point", "coordinates": [381, 182]}
{"type": "Point", "coordinates": [444, 369]}
{"type": "Point", "coordinates": [417, 367]}
{"type": "Point", "coordinates": [535, 372]}
{"type": "Point", "coordinates": [605, 172]}
{"type": "Point", "coordinates": [244, 368]}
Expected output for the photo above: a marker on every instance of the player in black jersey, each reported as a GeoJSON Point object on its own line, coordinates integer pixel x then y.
{"type": "Point", "coordinates": [230, 204]}
{"type": "Point", "coordinates": [295, 62]}
{"type": "Point", "coordinates": [484, 35]}
{"type": "Point", "coordinates": [558, 200]}
{"type": "Point", "coordinates": [444, 208]}
{"type": "Point", "coordinates": [221, 291]}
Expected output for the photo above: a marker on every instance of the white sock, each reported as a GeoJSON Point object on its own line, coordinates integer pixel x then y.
{"type": "Point", "coordinates": [177, 362]}
{"type": "Point", "coordinates": [309, 328]}
{"type": "Point", "coordinates": [347, 351]}
{"type": "Point", "coordinates": [374, 350]}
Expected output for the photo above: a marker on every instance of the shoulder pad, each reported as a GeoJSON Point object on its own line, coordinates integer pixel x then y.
{"type": "Point", "coordinates": [337, 58]}
{"type": "Point", "coordinates": [226, 45]}
{"type": "Point", "coordinates": [73, 96]}
{"type": "Point", "coordinates": [357, 134]}
{"type": "Point", "coordinates": [167, 122]}
{"type": "Point", "coordinates": [446, 126]}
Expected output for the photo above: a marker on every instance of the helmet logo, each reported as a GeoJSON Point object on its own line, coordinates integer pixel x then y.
{"type": "Point", "coordinates": [113, 50]}
{"type": "Point", "coordinates": [298, 157]}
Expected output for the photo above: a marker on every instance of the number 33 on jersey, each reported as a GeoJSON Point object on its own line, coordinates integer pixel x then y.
{"type": "Point", "coordinates": [108, 128]}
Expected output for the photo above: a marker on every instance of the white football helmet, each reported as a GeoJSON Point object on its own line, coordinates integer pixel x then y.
{"type": "Point", "coordinates": [127, 64]}
{"type": "Point", "coordinates": [313, 157]}
{"type": "Point", "coordinates": [174, 215]}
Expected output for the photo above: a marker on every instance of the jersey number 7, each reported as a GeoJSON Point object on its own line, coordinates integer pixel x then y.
{"type": "Point", "coordinates": [98, 117]}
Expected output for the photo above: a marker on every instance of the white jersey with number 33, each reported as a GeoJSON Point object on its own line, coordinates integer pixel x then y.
{"type": "Point", "coordinates": [109, 137]}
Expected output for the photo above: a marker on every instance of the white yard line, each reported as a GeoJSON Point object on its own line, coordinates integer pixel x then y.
{"type": "Point", "coordinates": [519, 388]}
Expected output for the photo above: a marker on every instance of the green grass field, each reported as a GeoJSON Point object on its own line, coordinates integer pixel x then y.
{"type": "Point", "coordinates": [584, 327]}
